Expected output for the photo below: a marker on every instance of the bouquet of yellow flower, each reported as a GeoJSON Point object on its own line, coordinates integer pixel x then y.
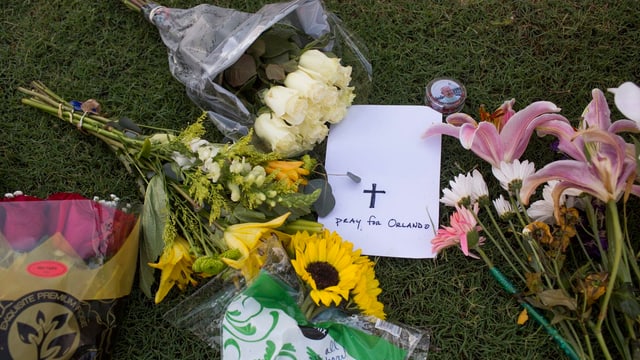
{"type": "Point", "coordinates": [194, 189]}
{"type": "Point", "coordinates": [281, 70]}
{"type": "Point", "coordinates": [305, 295]}
{"type": "Point", "coordinates": [573, 254]}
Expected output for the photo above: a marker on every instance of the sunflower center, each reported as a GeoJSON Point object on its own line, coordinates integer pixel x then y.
{"type": "Point", "coordinates": [324, 274]}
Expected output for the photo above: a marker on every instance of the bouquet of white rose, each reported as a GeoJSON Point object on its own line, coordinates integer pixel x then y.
{"type": "Point", "coordinates": [279, 70]}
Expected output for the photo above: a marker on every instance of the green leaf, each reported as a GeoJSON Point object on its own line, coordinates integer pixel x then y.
{"type": "Point", "coordinates": [326, 201]}
{"type": "Point", "coordinates": [145, 151]}
{"type": "Point", "coordinates": [624, 300]}
{"type": "Point", "coordinates": [155, 212]}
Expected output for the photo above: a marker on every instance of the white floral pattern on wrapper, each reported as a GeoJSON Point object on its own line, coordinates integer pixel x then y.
{"type": "Point", "coordinates": [275, 331]}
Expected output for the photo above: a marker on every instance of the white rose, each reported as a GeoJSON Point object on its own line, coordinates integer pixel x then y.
{"type": "Point", "coordinates": [312, 133]}
{"type": "Point", "coordinates": [344, 77]}
{"type": "Point", "coordinates": [286, 104]}
{"type": "Point", "coordinates": [278, 136]}
{"type": "Point", "coordinates": [335, 114]}
{"type": "Point", "coordinates": [309, 87]}
{"type": "Point", "coordinates": [320, 66]}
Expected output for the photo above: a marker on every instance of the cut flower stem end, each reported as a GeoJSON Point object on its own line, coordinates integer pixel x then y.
{"type": "Point", "coordinates": [533, 312]}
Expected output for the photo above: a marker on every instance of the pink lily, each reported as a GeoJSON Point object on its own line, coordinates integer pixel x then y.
{"type": "Point", "coordinates": [508, 140]}
{"type": "Point", "coordinates": [595, 116]}
{"type": "Point", "coordinates": [607, 173]}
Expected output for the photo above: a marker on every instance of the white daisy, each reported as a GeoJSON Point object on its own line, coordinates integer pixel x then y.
{"type": "Point", "coordinates": [464, 188]}
{"type": "Point", "coordinates": [503, 206]}
{"type": "Point", "coordinates": [479, 186]}
{"type": "Point", "coordinates": [542, 210]}
{"type": "Point", "coordinates": [510, 174]}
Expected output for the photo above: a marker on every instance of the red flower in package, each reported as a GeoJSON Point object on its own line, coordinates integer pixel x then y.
{"type": "Point", "coordinates": [69, 260]}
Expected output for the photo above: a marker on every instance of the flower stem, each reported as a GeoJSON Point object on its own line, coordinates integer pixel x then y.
{"type": "Point", "coordinates": [533, 312]}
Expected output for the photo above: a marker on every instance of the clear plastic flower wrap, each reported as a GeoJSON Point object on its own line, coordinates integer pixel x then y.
{"type": "Point", "coordinates": [206, 40]}
{"type": "Point", "coordinates": [263, 319]}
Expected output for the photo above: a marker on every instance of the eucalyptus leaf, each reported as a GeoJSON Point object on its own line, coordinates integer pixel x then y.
{"type": "Point", "coordinates": [326, 201]}
{"type": "Point", "coordinates": [126, 123]}
{"type": "Point", "coordinates": [241, 71]}
{"type": "Point", "coordinates": [624, 300]}
{"type": "Point", "coordinates": [276, 45]}
{"type": "Point", "coordinates": [155, 212]}
{"type": "Point", "coordinates": [275, 72]}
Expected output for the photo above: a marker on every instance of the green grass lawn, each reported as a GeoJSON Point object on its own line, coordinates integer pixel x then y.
{"type": "Point", "coordinates": [554, 50]}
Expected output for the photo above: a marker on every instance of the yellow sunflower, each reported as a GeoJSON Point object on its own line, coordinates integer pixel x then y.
{"type": "Point", "coordinates": [327, 264]}
{"type": "Point", "coordinates": [175, 265]}
{"type": "Point", "coordinates": [367, 290]}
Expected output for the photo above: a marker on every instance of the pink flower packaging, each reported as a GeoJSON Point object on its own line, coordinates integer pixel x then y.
{"type": "Point", "coordinates": [66, 264]}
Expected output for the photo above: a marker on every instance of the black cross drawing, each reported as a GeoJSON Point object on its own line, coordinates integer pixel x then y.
{"type": "Point", "coordinates": [373, 193]}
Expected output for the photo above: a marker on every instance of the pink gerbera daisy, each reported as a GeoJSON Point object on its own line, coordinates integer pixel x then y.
{"type": "Point", "coordinates": [462, 224]}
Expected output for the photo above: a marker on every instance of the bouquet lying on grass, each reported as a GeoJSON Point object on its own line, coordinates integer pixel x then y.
{"type": "Point", "coordinates": [573, 250]}
{"type": "Point", "coordinates": [229, 211]}
{"type": "Point", "coordinates": [277, 71]}
{"type": "Point", "coordinates": [194, 189]}
{"type": "Point", "coordinates": [312, 297]}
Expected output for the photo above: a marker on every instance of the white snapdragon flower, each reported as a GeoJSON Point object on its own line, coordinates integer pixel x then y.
{"type": "Point", "coordinates": [239, 166]}
{"type": "Point", "coordinates": [184, 162]}
{"type": "Point", "coordinates": [627, 99]}
{"type": "Point", "coordinates": [257, 176]}
{"type": "Point", "coordinates": [207, 152]}
{"type": "Point", "coordinates": [235, 191]}
{"type": "Point", "coordinates": [286, 103]}
{"type": "Point", "coordinates": [196, 143]}
{"type": "Point", "coordinates": [277, 135]}
{"type": "Point", "coordinates": [212, 169]}
{"type": "Point", "coordinates": [513, 173]}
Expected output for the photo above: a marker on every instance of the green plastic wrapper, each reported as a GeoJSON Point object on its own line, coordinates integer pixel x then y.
{"type": "Point", "coordinates": [263, 320]}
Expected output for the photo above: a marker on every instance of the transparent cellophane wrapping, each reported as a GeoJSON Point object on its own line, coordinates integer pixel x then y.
{"type": "Point", "coordinates": [203, 313]}
{"type": "Point", "coordinates": [205, 40]}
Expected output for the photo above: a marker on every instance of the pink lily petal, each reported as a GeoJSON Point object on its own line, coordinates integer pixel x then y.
{"type": "Point", "coordinates": [458, 119]}
{"type": "Point", "coordinates": [441, 129]}
{"type": "Point", "coordinates": [568, 143]}
{"type": "Point", "coordinates": [597, 114]}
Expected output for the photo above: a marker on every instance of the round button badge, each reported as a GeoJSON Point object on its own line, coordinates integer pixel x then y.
{"type": "Point", "coordinates": [445, 95]}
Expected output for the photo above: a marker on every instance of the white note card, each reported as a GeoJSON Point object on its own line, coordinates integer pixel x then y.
{"type": "Point", "coordinates": [394, 210]}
